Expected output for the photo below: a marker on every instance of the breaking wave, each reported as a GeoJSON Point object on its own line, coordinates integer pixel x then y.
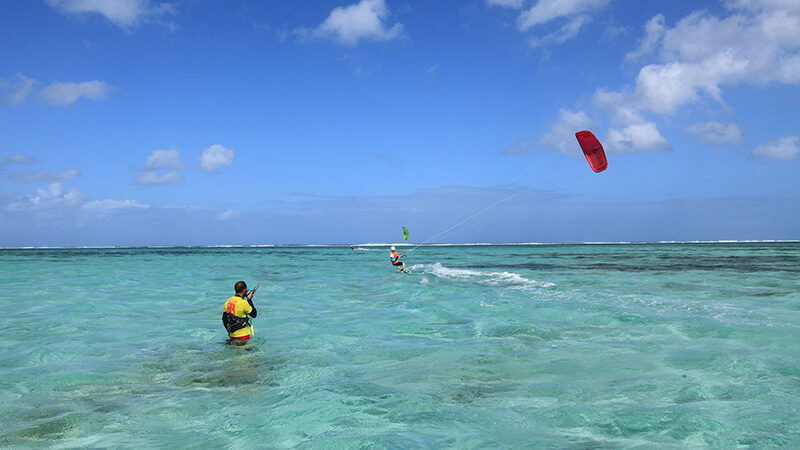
{"type": "Point", "coordinates": [500, 279]}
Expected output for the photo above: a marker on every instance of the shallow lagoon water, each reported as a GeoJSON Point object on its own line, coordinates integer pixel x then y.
{"type": "Point", "coordinates": [544, 346]}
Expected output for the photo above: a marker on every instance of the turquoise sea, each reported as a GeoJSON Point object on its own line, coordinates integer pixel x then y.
{"type": "Point", "coordinates": [504, 346]}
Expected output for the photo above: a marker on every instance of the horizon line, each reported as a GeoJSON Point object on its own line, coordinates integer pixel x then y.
{"type": "Point", "coordinates": [101, 247]}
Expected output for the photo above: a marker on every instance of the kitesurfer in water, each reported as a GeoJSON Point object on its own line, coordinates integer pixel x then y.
{"type": "Point", "coordinates": [395, 259]}
{"type": "Point", "coordinates": [236, 311]}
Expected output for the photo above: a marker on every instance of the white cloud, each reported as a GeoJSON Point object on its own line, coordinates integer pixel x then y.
{"type": "Point", "coordinates": [787, 148]}
{"type": "Point", "coordinates": [654, 31]}
{"type": "Point", "coordinates": [104, 208]}
{"type": "Point", "coordinates": [364, 20]}
{"type": "Point", "coordinates": [17, 91]}
{"type": "Point", "coordinates": [636, 138]}
{"type": "Point", "coordinates": [757, 5]}
{"type": "Point", "coordinates": [152, 178]}
{"type": "Point", "coordinates": [624, 115]}
{"type": "Point", "coordinates": [547, 10]}
{"type": "Point", "coordinates": [759, 43]}
{"type": "Point", "coordinates": [63, 94]}
{"type": "Point", "coordinates": [123, 13]}
{"type": "Point", "coordinates": [55, 206]}
{"type": "Point", "coordinates": [57, 93]}
{"type": "Point", "coordinates": [100, 210]}
{"type": "Point", "coordinates": [518, 149]}
{"type": "Point", "coordinates": [53, 197]}
{"type": "Point", "coordinates": [515, 4]}
{"type": "Point", "coordinates": [215, 157]}
{"type": "Point", "coordinates": [562, 135]}
{"type": "Point", "coordinates": [113, 204]}
{"type": "Point", "coordinates": [47, 176]}
{"type": "Point", "coordinates": [663, 89]}
{"type": "Point", "coordinates": [563, 34]}
{"type": "Point", "coordinates": [155, 168]}
{"type": "Point", "coordinates": [162, 159]}
{"type": "Point", "coordinates": [767, 39]}
{"type": "Point", "coordinates": [18, 159]}
{"type": "Point", "coordinates": [165, 159]}
{"type": "Point", "coordinates": [228, 215]}
{"type": "Point", "coordinates": [613, 31]}
{"type": "Point", "coordinates": [716, 133]}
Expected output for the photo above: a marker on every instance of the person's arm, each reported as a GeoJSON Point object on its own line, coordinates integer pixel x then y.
{"type": "Point", "coordinates": [253, 313]}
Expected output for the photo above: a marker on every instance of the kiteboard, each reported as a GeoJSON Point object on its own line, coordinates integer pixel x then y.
{"type": "Point", "coordinates": [593, 150]}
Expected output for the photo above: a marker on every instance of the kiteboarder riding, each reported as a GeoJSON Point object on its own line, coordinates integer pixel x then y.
{"type": "Point", "coordinates": [395, 259]}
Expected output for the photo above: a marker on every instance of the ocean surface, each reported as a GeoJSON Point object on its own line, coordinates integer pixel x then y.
{"type": "Point", "coordinates": [512, 346]}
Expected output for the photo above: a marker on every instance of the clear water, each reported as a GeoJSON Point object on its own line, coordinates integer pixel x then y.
{"type": "Point", "coordinates": [568, 346]}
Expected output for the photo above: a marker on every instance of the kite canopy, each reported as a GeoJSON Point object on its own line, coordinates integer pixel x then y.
{"type": "Point", "coordinates": [405, 233]}
{"type": "Point", "coordinates": [593, 150]}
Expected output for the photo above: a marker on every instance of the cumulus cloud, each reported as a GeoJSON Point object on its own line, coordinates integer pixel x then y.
{"type": "Point", "coordinates": [665, 88]}
{"type": "Point", "coordinates": [350, 24]}
{"type": "Point", "coordinates": [152, 178]}
{"type": "Point", "coordinates": [758, 43]}
{"type": "Point", "coordinates": [215, 157]}
{"type": "Point", "coordinates": [52, 197]}
{"type": "Point", "coordinates": [122, 13]}
{"type": "Point", "coordinates": [636, 138]}
{"type": "Point", "coordinates": [786, 149]}
{"type": "Point", "coordinates": [562, 135]}
{"type": "Point", "coordinates": [165, 159]}
{"type": "Point", "coordinates": [716, 133]}
{"type": "Point", "coordinates": [164, 166]}
{"type": "Point", "coordinates": [63, 94]}
{"type": "Point", "coordinates": [47, 176]}
{"type": "Point", "coordinates": [56, 205]}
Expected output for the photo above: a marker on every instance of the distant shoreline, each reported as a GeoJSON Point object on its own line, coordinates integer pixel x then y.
{"type": "Point", "coordinates": [374, 245]}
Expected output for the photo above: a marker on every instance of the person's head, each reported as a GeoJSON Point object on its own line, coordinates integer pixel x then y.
{"type": "Point", "coordinates": [240, 287]}
{"type": "Point", "coordinates": [393, 248]}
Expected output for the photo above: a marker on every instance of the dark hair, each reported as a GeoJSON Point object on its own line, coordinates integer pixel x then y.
{"type": "Point", "coordinates": [240, 286]}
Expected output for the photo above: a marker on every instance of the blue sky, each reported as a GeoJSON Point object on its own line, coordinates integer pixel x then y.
{"type": "Point", "coordinates": [136, 122]}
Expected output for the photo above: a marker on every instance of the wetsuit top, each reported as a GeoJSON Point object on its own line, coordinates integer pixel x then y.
{"type": "Point", "coordinates": [239, 307]}
{"type": "Point", "coordinates": [394, 258]}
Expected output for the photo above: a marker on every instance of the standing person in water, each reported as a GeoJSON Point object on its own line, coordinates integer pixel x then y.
{"type": "Point", "coordinates": [236, 311]}
{"type": "Point", "coordinates": [395, 259]}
